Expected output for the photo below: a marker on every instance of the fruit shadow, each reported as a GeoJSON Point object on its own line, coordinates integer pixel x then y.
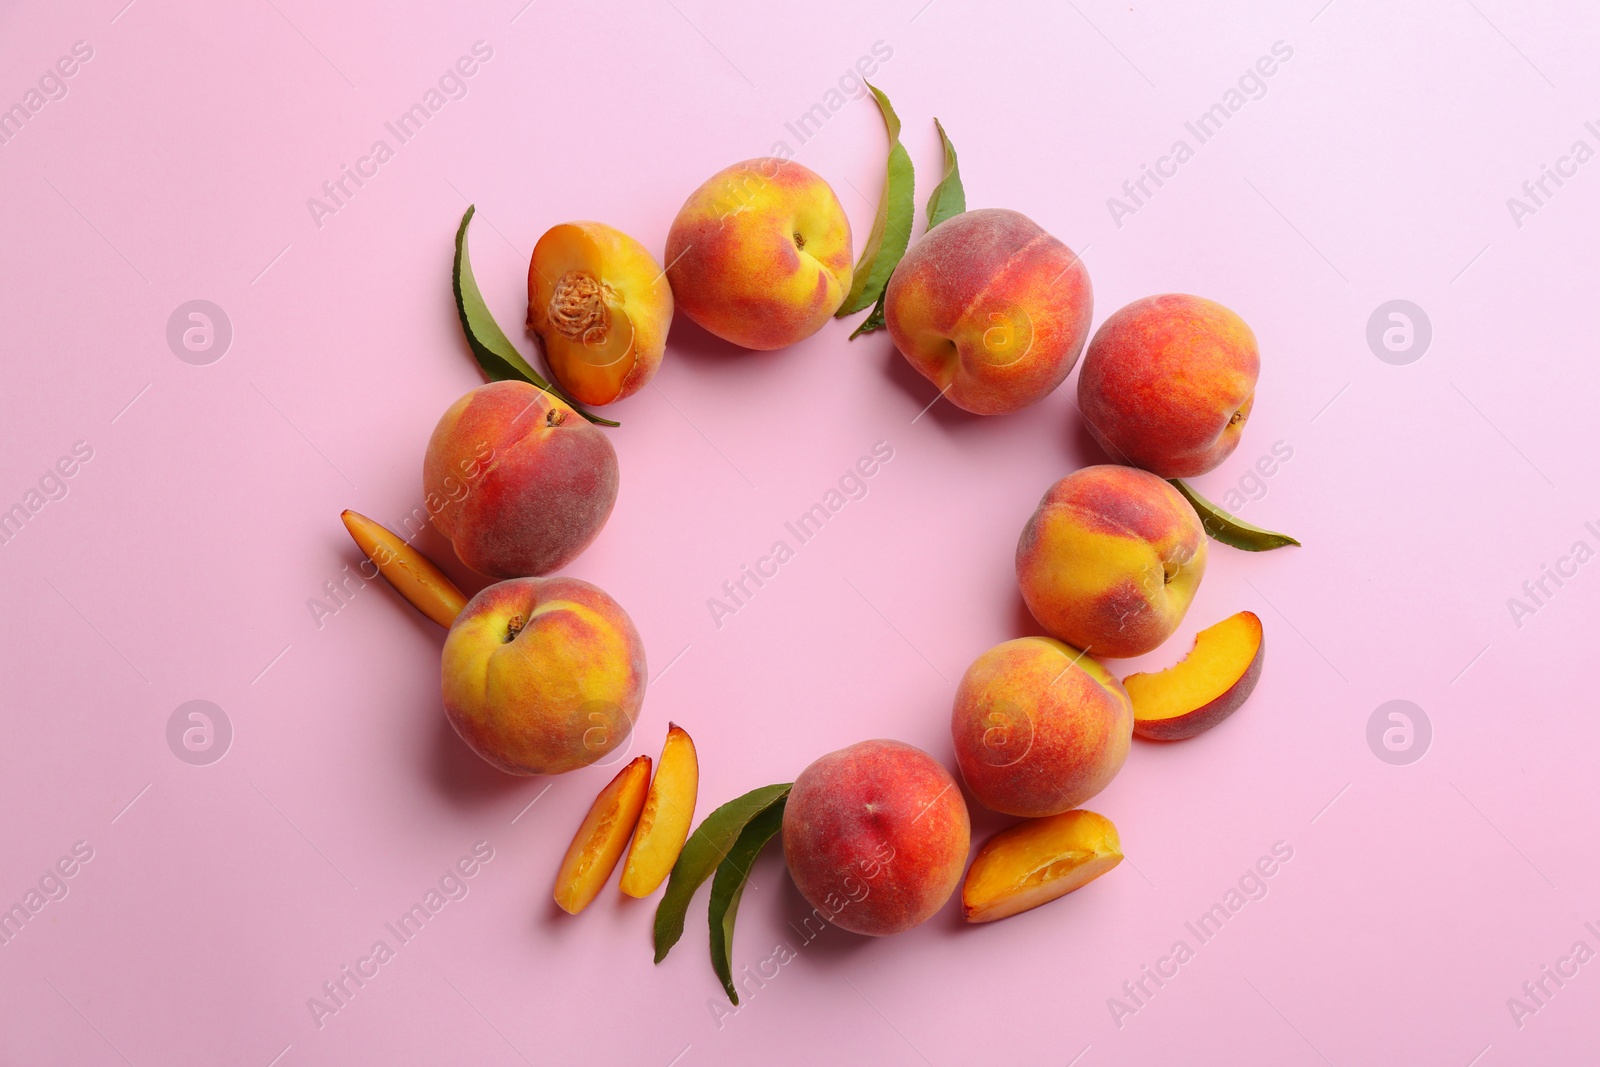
{"type": "Point", "coordinates": [908, 380]}
{"type": "Point", "coordinates": [695, 344]}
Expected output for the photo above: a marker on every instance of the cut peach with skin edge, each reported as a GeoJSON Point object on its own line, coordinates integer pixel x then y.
{"type": "Point", "coordinates": [1203, 688]}
{"type": "Point", "coordinates": [413, 575]}
{"type": "Point", "coordinates": [668, 814]}
{"type": "Point", "coordinates": [601, 306]}
{"type": "Point", "coordinates": [602, 836]}
{"type": "Point", "coordinates": [1038, 861]}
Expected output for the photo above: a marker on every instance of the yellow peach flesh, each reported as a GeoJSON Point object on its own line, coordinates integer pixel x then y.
{"type": "Point", "coordinates": [1038, 861]}
{"type": "Point", "coordinates": [601, 837]}
{"type": "Point", "coordinates": [667, 816]}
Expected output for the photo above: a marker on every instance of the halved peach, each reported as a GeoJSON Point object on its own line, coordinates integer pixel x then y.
{"type": "Point", "coordinates": [1037, 861]}
{"type": "Point", "coordinates": [1205, 687]}
{"type": "Point", "coordinates": [668, 813]}
{"type": "Point", "coordinates": [601, 305]}
{"type": "Point", "coordinates": [602, 836]}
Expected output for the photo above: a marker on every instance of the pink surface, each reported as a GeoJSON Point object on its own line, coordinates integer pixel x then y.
{"type": "Point", "coordinates": [180, 563]}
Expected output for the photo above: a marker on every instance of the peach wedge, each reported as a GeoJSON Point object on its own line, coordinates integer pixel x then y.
{"type": "Point", "coordinates": [601, 838]}
{"type": "Point", "coordinates": [668, 814]}
{"type": "Point", "coordinates": [1205, 687]}
{"type": "Point", "coordinates": [1037, 861]}
{"type": "Point", "coordinates": [412, 574]}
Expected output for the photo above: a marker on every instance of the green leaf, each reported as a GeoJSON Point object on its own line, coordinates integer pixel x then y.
{"type": "Point", "coordinates": [891, 228]}
{"type": "Point", "coordinates": [706, 848]}
{"type": "Point", "coordinates": [728, 886]}
{"type": "Point", "coordinates": [948, 197]}
{"type": "Point", "coordinates": [872, 322]}
{"type": "Point", "coordinates": [1230, 530]}
{"type": "Point", "coordinates": [490, 346]}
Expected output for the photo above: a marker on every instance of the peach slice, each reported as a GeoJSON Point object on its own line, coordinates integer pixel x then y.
{"type": "Point", "coordinates": [412, 574]}
{"type": "Point", "coordinates": [1205, 687]}
{"type": "Point", "coordinates": [668, 813]}
{"type": "Point", "coordinates": [599, 842]}
{"type": "Point", "coordinates": [601, 305]}
{"type": "Point", "coordinates": [1037, 861]}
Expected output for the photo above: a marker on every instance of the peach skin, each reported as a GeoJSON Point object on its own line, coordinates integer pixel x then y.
{"type": "Point", "coordinates": [668, 814]}
{"type": "Point", "coordinates": [1203, 688]}
{"type": "Point", "coordinates": [1036, 862]}
{"type": "Point", "coordinates": [875, 836]}
{"type": "Point", "coordinates": [412, 574]}
{"type": "Point", "coordinates": [1110, 560]}
{"type": "Point", "coordinates": [601, 837]}
{"type": "Point", "coordinates": [990, 308]}
{"type": "Point", "coordinates": [543, 675]}
{"type": "Point", "coordinates": [1039, 727]}
{"type": "Point", "coordinates": [517, 480]}
{"type": "Point", "coordinates": [601, 306]}
{"type": "Point", "coordinates": [1168, 384]}
{"type": "Point", "coordinates": [760, 254]}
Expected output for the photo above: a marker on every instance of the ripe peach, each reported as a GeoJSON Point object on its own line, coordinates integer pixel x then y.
{"type": "Point", "coordinates": [601, 306]}
{"type": "Point", "coordinates": [517, 480]}
{"type": "Point", "coordinates": [1110, 560]}
{"type": "Point", "coordinates": [1039, 727]}
{"type": "Point", "coordinates": [991, 308]}
{"type": "Point", "coordinates": [543, 675]}
{"type": "Point", "coordinates": [760, 254]}
{"type": "Point", "coordinates": [1168, 383]}
{"type": "Point", "coordinates": [876, 836]}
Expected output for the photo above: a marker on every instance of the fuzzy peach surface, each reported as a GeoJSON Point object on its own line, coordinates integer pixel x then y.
{"type": "Point", "coordinates": [1168, 384]}
{"type": "Point", "coordinates": [876, 836]}
{"type": "Point", "coordinates": [1039, 727]}
{"type": "Point", "coordinates": [990, 308]}
{"type": "Point", "coordinates": [760, 254]}
{"type": "Point", "coordinates": [1110, 560]}
{"type": "Point", "coordinates": [517, 480]}
{"type": "Point", "coordinates": [543, 675]}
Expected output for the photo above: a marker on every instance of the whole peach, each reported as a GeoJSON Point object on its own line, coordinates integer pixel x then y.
{"type": "Point", "coordinates": [876, 836]}
{"type": "Point", "coordinates": [1168, 384]}
{"type": "Point", "coordinates": [518, 481]}
{"type": "Point", "coordinates": [543, 675]}
{"type": "Point", "coordinates": [1039, 727]}
{"type": "Point", "coordinates": [991, 308]}
{"type": "Point", "coordinates": [760, 254]}
{"type": "Point", "coordinates": [1110, 560]}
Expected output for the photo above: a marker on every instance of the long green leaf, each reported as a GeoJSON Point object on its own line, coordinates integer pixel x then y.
{"type": "Point", "coordinates": [1228, 529]}
{"type": "Point", "coordinates": [728, 886]}
{"type": "Point", "coordinates": [948, 197]}
{"type": "Point", "coordinates": [706, 848]}
{"type": "Point", "coordinates": [490, 346]}
{"type": "Point", "coordinates": [891, 228]}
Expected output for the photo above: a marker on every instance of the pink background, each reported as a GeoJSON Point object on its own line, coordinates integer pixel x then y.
{"type": "Point", "coordinates": [180, 563]}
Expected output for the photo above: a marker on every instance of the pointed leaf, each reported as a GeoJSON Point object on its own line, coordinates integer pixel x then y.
{"type": "Point", "coordinates": [490, 346]}
{"type": "Point", "coordinates": [1228, 529]}
{"type": "Point", "coordinates": [948, 197]}
{"type": "Point", "coordinates": [891, 228]}
{"type": "Point", "coordinates": [706, 848]}
{"type": "Point", "coordinates": [728, 886]}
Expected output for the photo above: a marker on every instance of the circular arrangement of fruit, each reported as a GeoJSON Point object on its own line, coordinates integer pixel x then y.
{"type": "Point", "coordinates": [543, 675]}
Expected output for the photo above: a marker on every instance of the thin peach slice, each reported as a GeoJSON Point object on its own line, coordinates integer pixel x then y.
{"type": "Point", "coordinates": [1037, 861]}
{"type": "Point", "coordinates": [668, 813]}
{"type": "Point", "coordinates": [1205, 687]}
{"type": "Point", "coordinates": [412, 574]}
{"type": "Point", "coordinates": [601, 306]}
{"type": "Point", "coordinates": [599, 842]}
